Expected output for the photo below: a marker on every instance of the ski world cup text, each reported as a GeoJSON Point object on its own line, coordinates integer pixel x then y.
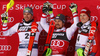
{"type": "Point", "coordinates": [34, 6]}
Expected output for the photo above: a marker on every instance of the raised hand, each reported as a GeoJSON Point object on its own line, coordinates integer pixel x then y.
{"type": "Point", "coordinates": [73, 7]}
{"type": "Point", "coordinates": [47, 7]}
{"type": "Point", "coordinates": [4, 17]}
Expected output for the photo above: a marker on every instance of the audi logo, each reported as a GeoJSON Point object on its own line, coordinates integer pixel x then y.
{"type": "Point", "coordinates": [94, 18]}
{"type": "Point", "coordinates": [58, 43]}
{"type": "Point", "coordinates": [5, 47]}
{"type": "Point", "coordinates": [10, 19]}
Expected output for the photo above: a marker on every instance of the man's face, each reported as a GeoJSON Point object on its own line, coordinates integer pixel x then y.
{"type": "Point", "coordinates": [58, 23]}
{"type": "Point", "coordinates": [27, 16]}
{"type": "Point", "coordinates": [84, 18]}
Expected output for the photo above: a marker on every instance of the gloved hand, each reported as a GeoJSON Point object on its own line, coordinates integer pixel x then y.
{"type": "Point", "coordinates": [47, 8]}
{"type": "Point", "coordinates": [47, 52]}
{"type": "Point", "coordinates": [80, 52]}
{"type": "Point", "coordinates": [79, 24]}
{"type": "Point", "coordinates": [73, 7]}
{"type": "Point", "coordinates": [4, 17]}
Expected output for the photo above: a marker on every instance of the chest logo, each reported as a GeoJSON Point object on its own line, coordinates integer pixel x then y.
{"type": "Point", "coordinates": [57, 43]}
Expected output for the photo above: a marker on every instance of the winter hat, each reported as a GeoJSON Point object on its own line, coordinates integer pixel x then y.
{"type": "Point", "coordinates": [86, 11]}
{"type": "Point", "coordinates": [61, 17]}
{"type": "Point", "coordinates": [28, 9]}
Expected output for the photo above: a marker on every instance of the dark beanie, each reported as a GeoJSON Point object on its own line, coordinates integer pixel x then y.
{"type": "Point", "coordinates": [61, 17]}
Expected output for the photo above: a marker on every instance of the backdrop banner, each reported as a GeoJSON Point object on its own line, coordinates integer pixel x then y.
{"type": "Point", "coordinates": [9, 44]}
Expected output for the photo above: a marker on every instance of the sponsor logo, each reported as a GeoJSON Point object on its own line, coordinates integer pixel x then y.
{"type": "Point", "coordinates": [34, 30]}
{"type": "Point", "coordinates": [78, 44]}
{"type": "Point", "coordinates": [92, 31]}
{"type": "Point", "coordinates": [5, 47]}
{"type": "Point", "coordinates": [94, 18]}
{"type": "Point", "coordinates": [58, 43]}
{"type": "Point", "coordinates": [1, 52]}
{"type": "Point", "coordinates": [24, 28]}
{"type": "Point", "coordinates": [57, 34]}
{"type": "Point", "coordinates": [11, 19]}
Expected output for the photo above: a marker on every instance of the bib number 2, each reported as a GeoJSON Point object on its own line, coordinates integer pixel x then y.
{"type": "Point", "coordinates": [26, 35]}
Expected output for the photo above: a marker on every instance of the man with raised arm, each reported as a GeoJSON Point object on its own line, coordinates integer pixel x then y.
{"type": "Point", "coordinates": [61, 36]}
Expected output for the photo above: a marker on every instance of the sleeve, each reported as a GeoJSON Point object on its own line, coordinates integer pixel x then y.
{"type": "Point", "coordinates": [4, 27]}
{"type": "Point", "coordinates": [52, 16]}
{"type": "Point", "coordinates": [11, 31]}
{"type": "Point", "coordinates": [39, 27]}
{"type": "Point", "coordinates": [43, 22]}
{"type": "Point", "coordinates": [70, 31]}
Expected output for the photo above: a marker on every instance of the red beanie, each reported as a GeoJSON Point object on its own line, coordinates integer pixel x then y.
{"type": "Point", "coordinates": [86, 11]}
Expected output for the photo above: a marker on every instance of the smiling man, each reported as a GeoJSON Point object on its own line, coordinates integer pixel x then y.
{"type": "Point", "coordinates": [28, 14]}
{"type": "Point", "coordinates": [24, 31]}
